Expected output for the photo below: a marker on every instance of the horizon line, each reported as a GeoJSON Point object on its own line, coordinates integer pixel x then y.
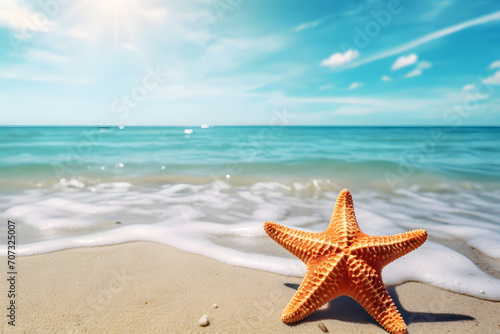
{"type": "Point", "coordinates": [252, 125]}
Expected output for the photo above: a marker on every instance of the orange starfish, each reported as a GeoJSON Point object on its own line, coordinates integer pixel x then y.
{"type": "Point", "coordinates": [342, 260]}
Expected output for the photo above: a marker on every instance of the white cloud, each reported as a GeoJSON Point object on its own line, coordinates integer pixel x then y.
{"type": "Point", "coordinates": [424, 64]}
{"type": "Point", "coordinates": [306, 25]}
{"type": "Point", "coordinates": [355, 85]}
{"type": "Point", "coordinates": [11, 12]}
{"type": "Point", "coordinates": [429, 37]}
{"type": "Point", "coordinates": [16, 15]}
{"type": "Point", "coordinates": [404, 61]}
{"type": "Point", "coordinates": [29, 74]}
{"type": "Point", "coordinates": [44, 56]}
{"type": "Point", "coordinates": [468, 87]}
{"type": "Point", "coordinates": [339, 58]}
{"type": "Point", "coordinates": [414, 73]}
{"type": "Point", "coordinates": [494, 64]}
{"type": "Point", "coordinates": [493, 80]}
{"type": "Point", "coordinates": [386, 78]}
{"type": "Point", "coordinates": [418, 69]}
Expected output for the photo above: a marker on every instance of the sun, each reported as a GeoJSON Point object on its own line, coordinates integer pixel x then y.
{"type": "Point", "coordinates": [116, 7]}
{"type": "Point", "coordinates": [122, 20]}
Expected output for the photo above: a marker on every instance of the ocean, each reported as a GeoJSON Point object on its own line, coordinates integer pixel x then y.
{"type": "Point", "coordinates": [209, 190]}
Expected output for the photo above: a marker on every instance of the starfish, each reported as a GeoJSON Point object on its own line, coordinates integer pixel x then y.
{"type": "Point", "coordinates": [342, 260]}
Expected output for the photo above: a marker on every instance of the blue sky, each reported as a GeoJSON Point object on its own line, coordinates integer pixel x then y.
{"type": "Point", "coordinates": [242, 62]}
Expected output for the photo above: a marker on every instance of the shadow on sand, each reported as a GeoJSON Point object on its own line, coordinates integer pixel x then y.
{"type": "Point", "coordinates": [345, 308]}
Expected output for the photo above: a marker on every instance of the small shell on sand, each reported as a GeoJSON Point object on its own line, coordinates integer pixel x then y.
{"type": "Point", "coordinates": [203, 322]}
{"type": "Point", "coordinates": [215, 305]}
{"type": "Point", "coordinates": [323, 327]}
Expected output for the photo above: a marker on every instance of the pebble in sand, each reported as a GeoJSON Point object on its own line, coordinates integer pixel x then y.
{"type": "Point", "coordinates": [203, 322]}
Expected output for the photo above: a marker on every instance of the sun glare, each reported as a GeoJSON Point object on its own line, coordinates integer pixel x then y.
{"type": "Point", "coordinates": [118, 7]}
{"type": "Point", "coordinates": [121, 20]}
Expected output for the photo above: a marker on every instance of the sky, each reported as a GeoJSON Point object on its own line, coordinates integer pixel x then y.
{"type": "Point", "coordinates": [249, 62]}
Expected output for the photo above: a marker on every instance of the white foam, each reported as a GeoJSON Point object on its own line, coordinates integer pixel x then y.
{"type": "Point", "coordinates": [59, 213]}
{"type": "Point", "coordinates": [75, 183]}
{"type": "Point", "coordinates": [225, 222]}
{"type": "Point", "coordinates": [442, 267]}
{"type": "Point", "coordinates": [269, 211]}
{"type": "Point", "coordinates": [115, 186]}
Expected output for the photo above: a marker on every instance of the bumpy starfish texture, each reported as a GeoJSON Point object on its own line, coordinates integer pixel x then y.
{"type": "Point", "coordinates": [343, 260]}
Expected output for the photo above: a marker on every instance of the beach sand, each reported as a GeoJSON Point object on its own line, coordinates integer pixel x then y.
{"type": "Point", "coordinates": [143, 287]}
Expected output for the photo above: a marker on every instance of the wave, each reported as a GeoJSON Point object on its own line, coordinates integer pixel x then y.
{"type": "Point", "coordinates": [224, 221]}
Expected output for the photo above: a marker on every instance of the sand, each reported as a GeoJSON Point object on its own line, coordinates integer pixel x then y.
{"type": "Point", "coordinates": [144, 287]}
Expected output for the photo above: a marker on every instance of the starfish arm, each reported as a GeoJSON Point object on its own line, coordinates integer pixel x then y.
{"type": "Point", "coordinates": [382, 250]}
{"type": "Point", "coordinates": [304, 245]}
{"type": "Point", "coordinates": [343, 223]}
{"type": "Point", "coordinates": [369, 291]}
{"type": "Point", "coordinates": [320, 285]}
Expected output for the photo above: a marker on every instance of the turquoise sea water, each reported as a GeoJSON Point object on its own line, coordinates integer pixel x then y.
{"type": "Point", "coordinates": [209, 190]}
{"type": "Point", "coordinates": [41, 154]}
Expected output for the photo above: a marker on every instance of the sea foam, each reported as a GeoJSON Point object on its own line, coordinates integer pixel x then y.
{"type": "Point", "coordinates": [224, 222]}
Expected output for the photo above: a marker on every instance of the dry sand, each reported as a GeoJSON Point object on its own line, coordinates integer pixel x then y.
{"type": "Point", "coordinates": [144, 287]}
